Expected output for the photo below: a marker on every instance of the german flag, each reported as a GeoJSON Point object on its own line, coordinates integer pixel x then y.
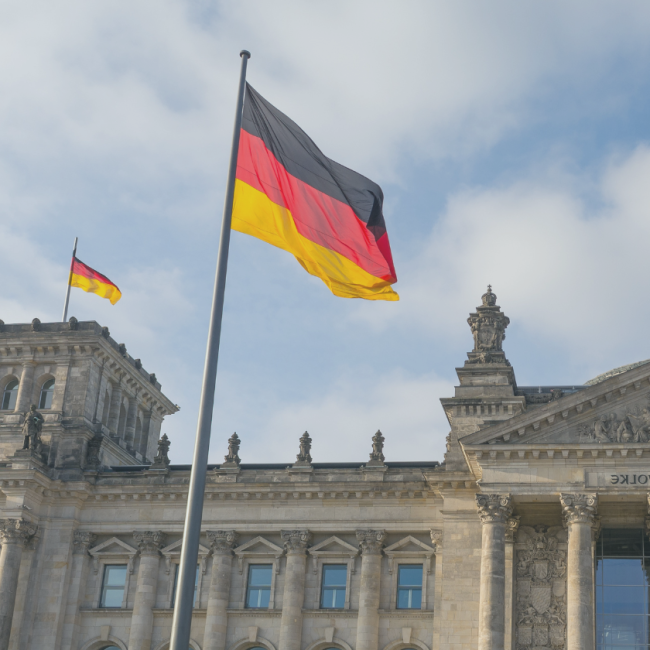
{"type": "Point", "coordinates": [82, 276]}
{"type": "Point", "coordinates": [289, 194]}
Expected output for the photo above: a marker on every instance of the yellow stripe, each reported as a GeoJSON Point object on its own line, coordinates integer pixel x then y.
{"type": "Point", "coordinates": [109, 291]}
{"type": "Point", "coordinates": [255, 214]}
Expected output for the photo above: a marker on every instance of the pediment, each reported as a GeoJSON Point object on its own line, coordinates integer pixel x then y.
{"type": "Point", "coordinates": [175, 549]}
{"type": "Point", "coordinates": [113, 546]}
{"type": "Point", "coordinates": [334, 546]}
{"type": "Point", "coordinates": [409, 546]}
{"type": "Point", "coordinates": [613, 412]}
{"type": "Point", "coordinates": [259, 545]}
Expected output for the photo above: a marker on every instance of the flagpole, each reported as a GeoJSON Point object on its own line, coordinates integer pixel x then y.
{"type": "Point", "coordinates": [182, 621]}
{"type": "Point", "coordinates": [67, 293]}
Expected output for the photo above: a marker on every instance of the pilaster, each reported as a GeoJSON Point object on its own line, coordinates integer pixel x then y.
{"type": "Point", "coordinates": [371, 543]}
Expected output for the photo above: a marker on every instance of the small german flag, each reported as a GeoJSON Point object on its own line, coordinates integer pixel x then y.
{"type": "Point", "coordinates": [289, 194]}
{"type": "Point", "coordinates": [82, 276]}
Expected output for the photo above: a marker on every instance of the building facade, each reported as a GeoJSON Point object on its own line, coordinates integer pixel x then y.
{"type": "Point", "coordinates": [529, 535]}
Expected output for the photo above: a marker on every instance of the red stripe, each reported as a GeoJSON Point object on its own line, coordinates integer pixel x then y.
{"type": "Point", "coordinates": [79, 268]}
{"type": "Point", "coordinates": [318, 217]}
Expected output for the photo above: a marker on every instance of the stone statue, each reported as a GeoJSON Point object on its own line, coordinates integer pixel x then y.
{"type": "Point", "coordinates": [32, 429]}
{"type": "Point", "coordinates": [488, 325]}
{"type": "Point", "coordinates": [232, 459]}
{"type": "Point", "coordinates": [304, 455]}
{"type": "Point", "coordinates": [377, 455]}
{"type": "Point", "coordinates": [161, 459]}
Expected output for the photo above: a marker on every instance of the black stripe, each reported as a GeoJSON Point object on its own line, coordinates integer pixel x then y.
{"type": "Point", "coordinates": [300, 156]}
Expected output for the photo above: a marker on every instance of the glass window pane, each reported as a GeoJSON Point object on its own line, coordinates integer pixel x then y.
{"type": "Point", "coordinates": [624, 600]}
{"type": "Point", "coordinates": [410, 575]}
{"type": "Point", "coordinates": [335, 575]}
{"type": "Point", "coordinates": [260, 575]}
{"type": "Point", "coordinates": [113, 598]}
{"type": "Point", "coordinates": [113, 583]}
{"type": "Point", "coordinates": [623, 571]}
{"type": "Point", "coordinates": [115, 575]}
{"type": "Point", "coordinates": [622, 542]}
{"type": "Point", "coordinates": [620, 631]}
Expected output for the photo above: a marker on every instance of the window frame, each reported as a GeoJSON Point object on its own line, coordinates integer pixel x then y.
{"type": "Point", "coordinates": [46, 390]}
{"type": "Point", "coordinates": [409, 587]}
{"type": "Point", "coordinates": [322, 586]}
{"type": "Point", "coordinates": [124, 554]}
{"type": "Point", "coordinates": [11, 379]}
{"type": "Point", "coordinates": [172, 601]}
{"type": "Point", "coordinates": [246, 556]}
{"type": "Point", "coordinates": [106, 565]}
{"type": "Point", "coordinates": [396, 556]}
{"type": "Point", "coordinates": [340, 553]}
{"type": "Point", "coordinates": [247, 586]}
{"type": "Point", "coordinates": [172, 556]}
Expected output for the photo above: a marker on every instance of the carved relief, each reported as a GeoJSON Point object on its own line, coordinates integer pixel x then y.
{"type": "Point", "coordinates": [631, 426]}
{"type": "Point", "coordinates": [540, 615]}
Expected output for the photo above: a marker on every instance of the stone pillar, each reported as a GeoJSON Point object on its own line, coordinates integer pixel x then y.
{"type": "Point", "coordinates": [25, 388]}
{"type": "Point", "coordinates": [493, 510]}
{"type": "Point", "coordinates": [131, 415]}
{"type": "Point", "coordinates": [436, 539]}
{"type": "Point", "coordinates": [295, 544]}
{"type": "Point", "coordinates": [512, 525]}
{"type": "Point", "coordinates": [216, 618]}
{"type": "Point", "coordinates": [114, 413]}
{"type": "Point", "coordinates": [78, 576]}
{"type": "Point", "coordinates": [580, 515]}
{"type": "Point", "coordinates": [371, 544]}
{"type": "Point", "coordinates": [149, 543]}
{"type": "Point", "coordinates": [14, 535]}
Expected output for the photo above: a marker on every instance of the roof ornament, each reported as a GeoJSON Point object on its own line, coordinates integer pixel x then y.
{"type": "Point", "coordinates": [377, 455]}
{"type": "Point", "coordinates": [161, 459]}
{"type": "Point", "coordinates": [303, 459]}
{"type": "Point", "coordinates": [488, 325]}
{"type": "Point", "coordinates": [232, 459]}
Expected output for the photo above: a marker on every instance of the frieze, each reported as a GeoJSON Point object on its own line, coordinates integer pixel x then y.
{"type": "Point", "coordinates": [633, 426]}
{"type": "Point", "coordinates": [540, 615]}
{"type": "Point", "coordinates": [640, 479]}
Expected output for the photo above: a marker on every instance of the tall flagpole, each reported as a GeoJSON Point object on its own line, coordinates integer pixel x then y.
{"type": "Point", "coordinates": [67, 293]}
{"type": "Point", "coordinates": [184, 601]}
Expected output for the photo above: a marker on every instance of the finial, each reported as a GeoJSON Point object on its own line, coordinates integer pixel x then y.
{"type": "Point", "coordinates": [489, 288]}
{"type": "Point", "coordinates": [161, 459]}
{"type": "Point", "coordinates": [377, 455]}
{"type": "Point", "coordinates": [304, 456]}
{"type": "Point", "coordinates": [232, 459]}
{"type": "Point", "coordinates": [488, 327]}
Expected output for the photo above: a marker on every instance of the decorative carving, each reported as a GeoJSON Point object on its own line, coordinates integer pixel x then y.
{"type": "Point", "coordinates": [105, 332]}
{"type": "Point", "coordinates": [149, 541]}
{"type": "Point", "coordinates": [232, 459]}
{"type": "Point", "coordinates": [540, 614]}
{"type": "Point", "coordinates": [32, 428]}
{"type": "Point", "coordinates": [82, 542]}
{"type": "Point", "coordinates": [222, 541]}
{"type": "Point", "coordinates": [161, 459]}
{"type": "Point", "coordinates": [377, 455]}
{"type": "Point", "coordinates": [138, 364]}
{"type": "Point", "coordinates": [92, 452]}
{"type": "Point", "coordinates": [494, 508]}
{"type": "Point", "coordinates": [556, 393]}
{"type": "Point", "coordinates": [512, 526]}
{"type": "Point", "coordinates": [36, 325]}
{"type": "Point", "coordinates": [579, 508]}
{"type": "Point", "coordinates": [436, 539]}
{"type": "Point", "coordinates": [152, 378]}
{"type": "Point", "coordinates": [121, 348]}
{"type": "Point", "coordinates": [295, 541]}
{"type": "Point", "coordinates": [73, 323]}
{"type": "Point", "coordinates": [17, 531]}
{"type": "Point", "coordinates": [488, 325]}
{"type": "Point", "coordinates": [304, 456]}
{"type": "Point", "coordinates": [633, 426]}
{"type": "Point", "coordinates": [370, 541]}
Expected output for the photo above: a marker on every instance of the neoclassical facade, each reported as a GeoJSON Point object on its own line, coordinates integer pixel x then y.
{"type": "Point", "coordinates": [529, 535]}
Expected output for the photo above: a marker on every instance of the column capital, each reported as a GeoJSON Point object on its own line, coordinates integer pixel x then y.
{"type": "Point", "coordinates": [436, 539]}
{"type": "Point", "coordinates": [494, 508]}
{"type": "Point", "coordinates": [149, 541]}
{"type": "Point", "coordinates": [579, 508]}
{"type": "Point", "coordinates": [371, 541]}
{"type": "Point", "coordinates": [512, 526]}
{"type": "Point", "coordinates": [17, 531]}
{"type": "Point", "coordinates": [295, 541]}
{"type": "Point", "coordinates": [82, 542]}
{"type": "Point", "coordinates": [222, 541]}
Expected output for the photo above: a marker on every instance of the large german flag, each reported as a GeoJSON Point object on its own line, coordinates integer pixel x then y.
{"type": "Point", "coordinates": [86, 278]}
{"type": "Point", "coordinates": [289, 194]}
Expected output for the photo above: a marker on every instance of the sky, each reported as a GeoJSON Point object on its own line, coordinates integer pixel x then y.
{"type": "Point", "coordinates": [511, 140]}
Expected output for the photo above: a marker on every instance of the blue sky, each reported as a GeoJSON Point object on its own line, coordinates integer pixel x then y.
{"type": "Point", "coordinates": [511, 140]}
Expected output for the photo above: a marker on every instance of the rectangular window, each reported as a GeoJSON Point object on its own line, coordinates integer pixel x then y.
{"type": "Point", "coordinates": [333, 590]}
{"type": "Point", "coordinates": [113, 585]}
{"type": "Point", "coordinates": [196, 582]}
{"type": "Point", "coordinates": [258, 592]}
{"type": "Point", "coordinates": [409, 586]}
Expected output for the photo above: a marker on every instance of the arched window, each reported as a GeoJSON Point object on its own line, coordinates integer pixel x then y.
{"type": "Point", "coordinates": [47, 393]}
{"type": "Point", "coordinates": [106, 409]}
{"type": "Point", "coordinates": [9, 395]}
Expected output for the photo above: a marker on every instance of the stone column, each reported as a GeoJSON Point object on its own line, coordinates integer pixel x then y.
{"type": "Point", "coordinates": [295, 544]}
{"type": "Point", "coordinates": [493, 510]}
{"type": "Point", "coordinates": [436, 539]}
{"type": "Point", "coordinates": [580, 515]}
{"type": "Point", "coordinates": [512, 525]}
{"type": "Point", "coordinates": [129, 431]}
{"type": "Point", "coordinates": [216, 618]}
{"type": "Point", "coordinates": [149, 543]}
{"type": "Point", "coordinates": [78, 576]}
{"type": "Point", "coordinates": [25, 388]}
{"type": "Point", "coordinates": [114, 413]}
{"type": "Point", "coordinates": [371, 544]}
{"type": "Point", "coordinates": [14, 535]}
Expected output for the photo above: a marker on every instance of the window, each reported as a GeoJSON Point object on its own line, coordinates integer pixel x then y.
{"type": "Point", "coordinates": [113, 585]}
{"type": "Point", "coordinates": [258, 592]}
{"type": "Point", "coordinates": [196, 582]}
{"type": "Point", "coordinates": [622, 607]}
{"type": "Point", "coordinates": [333, 590]}
{"type": "Point", "coordinates": [9, 395]}
{"type": "Point", "coordinates": [46, 395]}
{"type": "Point", "coordinates": [409, 586]}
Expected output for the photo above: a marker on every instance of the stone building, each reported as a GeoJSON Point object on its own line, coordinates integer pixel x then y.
{"type": "Point", "coordinates": [530, 535]}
